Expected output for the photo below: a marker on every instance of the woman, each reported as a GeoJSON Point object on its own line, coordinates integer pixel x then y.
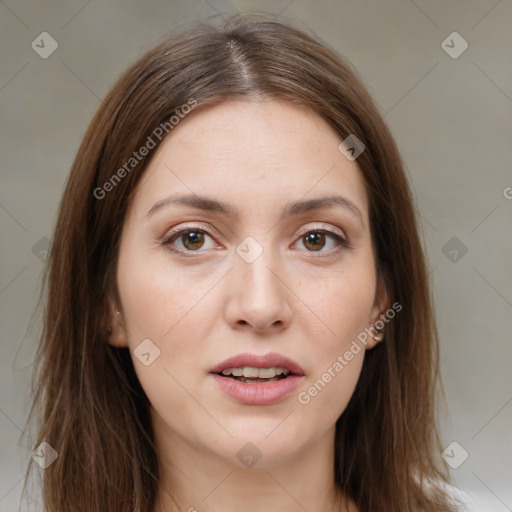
{"type": "Point", "coordinates": [238, 311]}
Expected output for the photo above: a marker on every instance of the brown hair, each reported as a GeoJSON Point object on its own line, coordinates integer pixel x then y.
{"type": "Point", "coordinates": [387, 446]}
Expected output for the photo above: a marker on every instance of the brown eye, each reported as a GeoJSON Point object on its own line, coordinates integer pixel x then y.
{"type": "Point", "coordinates": [322, 241]}
{"type": "Point", "coordinates": [188, 240]}
{"type": "Point", "coordinates": [192, 240]}
{"type": "Point", "coordinates": [314, 240]}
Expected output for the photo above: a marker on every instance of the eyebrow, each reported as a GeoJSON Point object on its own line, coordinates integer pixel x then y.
{"type": "Point", "coordinates": [293, 208]}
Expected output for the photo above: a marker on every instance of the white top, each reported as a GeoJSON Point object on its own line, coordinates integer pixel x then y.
{"type": "Point", "coordinates": [475, 502]}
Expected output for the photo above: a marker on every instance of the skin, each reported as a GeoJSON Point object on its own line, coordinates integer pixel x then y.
{"type": "Point", "coordinates": [306, 304]}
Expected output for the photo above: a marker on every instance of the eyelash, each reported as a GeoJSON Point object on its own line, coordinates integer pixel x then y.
{"type": "Point", "coordinates": [174, 235]}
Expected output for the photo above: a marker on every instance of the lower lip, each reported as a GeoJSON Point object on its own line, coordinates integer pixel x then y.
{"type": "Point", "coordinates": [265, 393]}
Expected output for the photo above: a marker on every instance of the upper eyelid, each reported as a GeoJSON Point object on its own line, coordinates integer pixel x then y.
{"type": "Point", "coordinates": [324, 227]}
{"type": "Point", "coordinates": [173, 232]}
{"type": "Point", "coordinates": [305, 229]}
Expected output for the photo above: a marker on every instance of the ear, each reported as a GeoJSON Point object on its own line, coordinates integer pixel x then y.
{"type": "Point", "coordinates": [377, 316]}
{"type": "Point", "coordinates": [115, 325]}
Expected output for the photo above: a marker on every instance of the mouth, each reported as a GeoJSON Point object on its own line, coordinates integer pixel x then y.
{"type": "Point", "coordinates": [254, 368]}
{"type": "Point", "coordinates": [253, 375]}
{"type": "Point", "coordinates": [258, 380]}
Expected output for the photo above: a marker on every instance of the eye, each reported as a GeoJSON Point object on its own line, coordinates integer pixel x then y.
{"type": "Point", "coordinates": [187, 240]}
{"type": "Point", "coordinates": [315, 240]}
{"type": "Point", "coordinates": [192, 240]}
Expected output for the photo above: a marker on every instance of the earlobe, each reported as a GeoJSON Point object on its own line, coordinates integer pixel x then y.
{"type": "Point", "coordinates": [116, 331]}
{"type": "Point", "coordinates": [376, 336]}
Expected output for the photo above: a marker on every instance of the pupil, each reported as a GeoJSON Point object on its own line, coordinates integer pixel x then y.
{"type": "Point", "coordinates": [312, 237]}
{"type": "Point", "coordinates": [195, 238]}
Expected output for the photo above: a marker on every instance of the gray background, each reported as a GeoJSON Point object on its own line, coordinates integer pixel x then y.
{"type": "Point", "coordinates": [451, 118]}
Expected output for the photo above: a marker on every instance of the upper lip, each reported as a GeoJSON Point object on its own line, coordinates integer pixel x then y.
{"type": "Point", "coordinates": [259, 361]}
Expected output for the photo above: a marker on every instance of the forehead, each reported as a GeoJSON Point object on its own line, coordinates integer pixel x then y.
{"type": "Point", "coordinates": [252, 154]}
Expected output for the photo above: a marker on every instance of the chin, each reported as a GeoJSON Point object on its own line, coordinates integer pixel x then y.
{"type": "Point", "coordinates": [255, 449]}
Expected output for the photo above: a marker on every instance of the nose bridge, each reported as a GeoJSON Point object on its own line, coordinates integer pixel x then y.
{"type": "Point", "coordinates": [257, 295]}
{"type": "Point", "coordinates": [257, 264]}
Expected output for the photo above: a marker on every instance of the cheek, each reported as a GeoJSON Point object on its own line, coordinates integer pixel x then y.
{"type": "Point", "coordinates": [340, 303]}
{"type": "Point", "coordinates": [158, 300]}
{"type": "Point", "coordinates": [164, 306]}
{"type": "Point", "coordinates": [337, 358]}
{"type": "Point", "coordinates": [327, 393]}
{"type": "Point", "coordinates": [343, 303]}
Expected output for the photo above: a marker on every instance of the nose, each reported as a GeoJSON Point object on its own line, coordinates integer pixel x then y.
{"type": "Point", "coordinates": [257, 296]}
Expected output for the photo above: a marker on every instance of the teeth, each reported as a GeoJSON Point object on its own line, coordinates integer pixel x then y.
{"type": "Point", "coordinates": [266, 373]}
{"type": "Point", "coordinates": [253, 373]}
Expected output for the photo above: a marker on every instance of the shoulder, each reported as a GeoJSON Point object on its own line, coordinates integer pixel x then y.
{"type": "Point", "coordinates": [471, 501]}
{"type": "Point", "coordinates": [461, 499]}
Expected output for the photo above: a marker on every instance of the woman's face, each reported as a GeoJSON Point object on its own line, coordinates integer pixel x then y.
{"type": "Point", "coordinates": [263, 276]}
